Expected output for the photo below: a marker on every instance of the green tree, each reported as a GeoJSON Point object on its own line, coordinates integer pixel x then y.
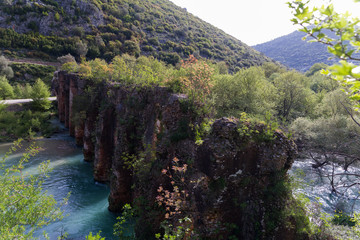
{"type": "Point", "coordinates": [317, 67]}
{"type": "Point", "coordinates": [6, 90]}
{"type": "Point", "coordinates": [246, 91]}
{"type": "Point", "coordinates": [270, 68]}
{"type": "Point", "coordinates": [295, 98]}
{"type": "Point", "coordinates": [24, 207]}
{"type": "Point", "coordinates": [343, 43]}
{"type": "Point", "coordinates": [40, 95]}
{"type": "Point", "coordinates": [333, 104]}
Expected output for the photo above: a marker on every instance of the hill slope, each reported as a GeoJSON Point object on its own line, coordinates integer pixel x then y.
{"type": "Point", "coordinates": [51, 28]}
{"type": "Point", "coordinates": [293, 52]}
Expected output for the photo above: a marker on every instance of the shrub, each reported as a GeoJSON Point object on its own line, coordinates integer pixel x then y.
{"type": "Point", "coordinates": [24, 206]}
{"type": "Point", "coordinates": [66, 58]}
{"type": "Point", "coordinates": [6, 90]}
{"type": "Point", "coordinates": [40, 94]}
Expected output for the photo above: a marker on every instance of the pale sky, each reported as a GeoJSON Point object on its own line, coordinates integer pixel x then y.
{"type": "Point", "coordinates": [253, 21]}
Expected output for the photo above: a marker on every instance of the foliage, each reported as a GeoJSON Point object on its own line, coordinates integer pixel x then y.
{"type": "Point", "coordinates": [94, 237]}
{"type": "Point", "coordinates": [174, 202]}
{"type": "Point", "coordinates": [24, 124]}
{"type": "Point", "coordinates": [40, 94]}
{"type": "Point", "coordinates": [343, 42]}
{"type": "Point", "coordinates": [341, 218]}
{"type": "Point", "coordinates": [66, 58]}
{"type": "Point", "coordinates": [5, 69]}
{"type": "Point", "coordinates": [202, 130]}
{"type": "Point", "coordinates": [333, 103]}
{"type": "Point", "coordinates": [6, 90]}
{"type": "Point", "coordinates": [126, 70]}
{"type": "Point", "coordinates": [175, 233]}
{"type": "Point", "coordinates": [81, 49]}
{"type": "Point", "coordinates": [197, 79]}
{"type": "Point", "coordinates": [246, 91]}
{"type": "Point", "coordinates": [270, 68]}
{"type": "Point", "coordinates": [28, 73]}
{"type": "Point", "coordinates": [317, 67]}
{"type": "Point", "coordinates": [253, 130]}
{"type": "Point", "coordinates": [125, 222]}
{"type": "Point", "coordinates": [24, 206]}
{"type": "Point", "coordinates": [339, 133]}
{"type": "Point", "coordinates": [294, 98]}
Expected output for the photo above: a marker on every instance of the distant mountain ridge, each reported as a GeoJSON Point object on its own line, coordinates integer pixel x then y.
{"type": "Point", "coordinates": [295, 53]}
{"type": "Point", "coordinates": [159, 28]}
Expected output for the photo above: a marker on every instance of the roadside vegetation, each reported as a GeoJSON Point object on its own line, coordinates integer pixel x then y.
{"type": "Point", "coordinates": [31, 119]}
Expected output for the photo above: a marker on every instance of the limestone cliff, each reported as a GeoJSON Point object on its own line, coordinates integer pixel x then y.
{"type": "Point", "coordinates": [141, 141]}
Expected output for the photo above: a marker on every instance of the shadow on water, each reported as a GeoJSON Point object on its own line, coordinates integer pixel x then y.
{"type": "Point", "coordinates": [86, 210]}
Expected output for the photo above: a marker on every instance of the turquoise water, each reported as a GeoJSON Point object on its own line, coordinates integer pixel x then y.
{"type": "Point", "coordinates": [86, 210]}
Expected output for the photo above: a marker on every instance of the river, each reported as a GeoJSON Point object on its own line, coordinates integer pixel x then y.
{"type": "Point", "coordinates": [316, 186]}
{"type": "Point", "coordinates": [86, 210]}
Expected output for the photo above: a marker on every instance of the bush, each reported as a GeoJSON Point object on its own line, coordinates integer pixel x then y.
{"type": "Point", "coordinates": [5, 69]}
{"type": "Point", "coordinates": [131, 47]}
{"type": "Point", "coordinates": [66, 58]}
{"type": "Point", "coordinates": [24, 207]}
{"type": "Point", "coordinates": [40, 94]}
{"type": "Point", "coordinates": [6, 90]}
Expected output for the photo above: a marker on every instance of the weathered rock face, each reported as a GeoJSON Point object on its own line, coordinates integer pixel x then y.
{"type": "Point", "coordinates": [132, 134]}
{"type": "Point", "coordinates": [239, 169]}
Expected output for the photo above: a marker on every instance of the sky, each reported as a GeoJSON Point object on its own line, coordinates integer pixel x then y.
{"type": "Point", "coordinates": [253, 21]}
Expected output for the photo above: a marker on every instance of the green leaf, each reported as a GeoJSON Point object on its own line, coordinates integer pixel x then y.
{"type": "Point", "coordinates": [304, 14]}
{"type": "Point", "coordinates": [329, 10]}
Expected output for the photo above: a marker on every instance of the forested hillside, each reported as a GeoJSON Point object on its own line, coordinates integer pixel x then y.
{"type": "Point", "coordinates": [97, 28]}
{"type": "Point", "coordinates": [295, 53]}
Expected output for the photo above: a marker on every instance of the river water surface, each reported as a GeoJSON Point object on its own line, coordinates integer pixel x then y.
{"type": "Point", "coordinates": [316, 186]}
{"type": "Point", "coordinates": [86, 210]}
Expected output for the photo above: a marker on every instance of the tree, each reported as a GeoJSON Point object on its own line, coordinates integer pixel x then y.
{"type": "Point", "coordinates": [294, 99]}
{"type": "Point", "coordinates": [315, 68]}
{"type": "Point", "coordinates": [246, 91]}
{"type": "Point", "coordinates": [81, 49]}
{"type": "Point", "coordinates": [271, 68]}
{"type": "Point", "coordinates": [5, 69]}
{"type": "Point", "coordinates": [40, 94]}
{"type": "Point", "coordinates": [343, 42]}
{"type": "Point", "coordinates": [66, 58]}
{"type": "Point", "coordinates": [24, 207]}
{"type": "Point", "coordinates": [6, 90]}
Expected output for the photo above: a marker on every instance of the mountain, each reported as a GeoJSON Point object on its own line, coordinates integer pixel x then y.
{"type": "Point", "coordinates": [51, 28]}
{"type": "Point", "coordinates": [293, 52]}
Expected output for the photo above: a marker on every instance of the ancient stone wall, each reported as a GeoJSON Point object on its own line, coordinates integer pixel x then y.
{"type": "Point", "coordinates": [132, 134]}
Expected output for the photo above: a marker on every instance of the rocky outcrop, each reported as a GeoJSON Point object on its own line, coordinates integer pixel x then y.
{"type": "Point", "coordinates": [141, 141]}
